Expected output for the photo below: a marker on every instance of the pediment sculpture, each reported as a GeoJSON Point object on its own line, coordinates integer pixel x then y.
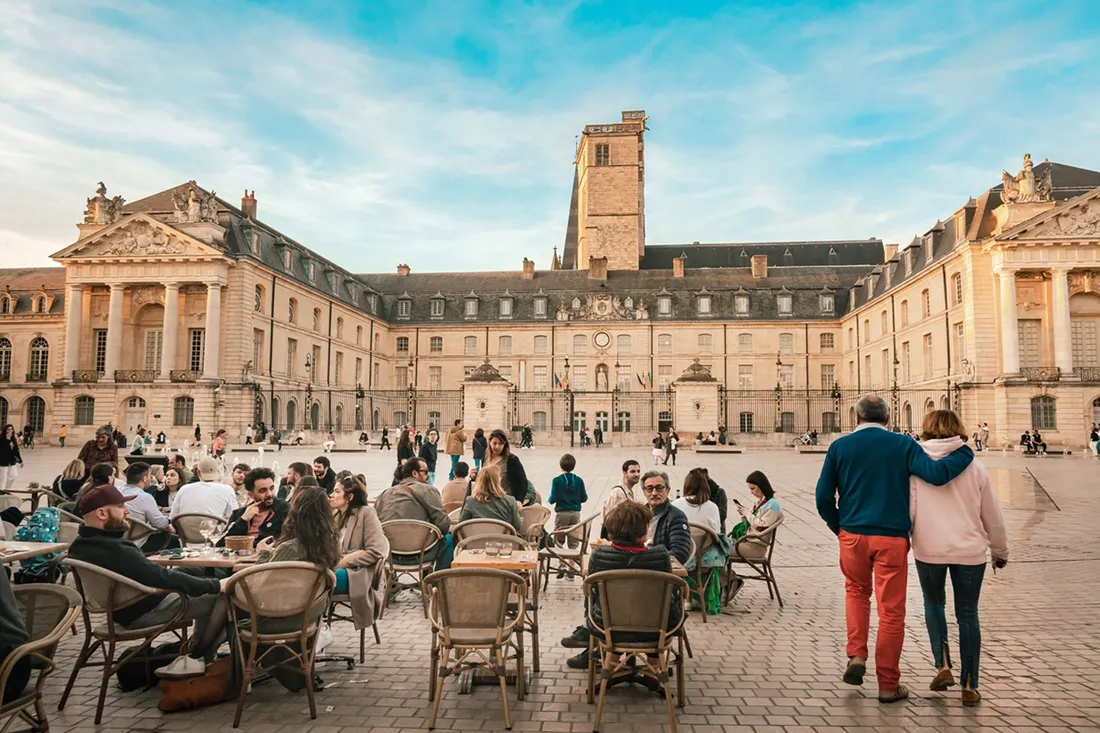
{"type": "Point", "coordinates": [142, 239]}
{"type": "Point", "coordinates": [1025, 187]}
{"type": "Point", "coordinates": [103, 210]}
{"type": "Point", "coordinates": [1082, 221]}
{"type": "Point", "coordinates": [194, 206]}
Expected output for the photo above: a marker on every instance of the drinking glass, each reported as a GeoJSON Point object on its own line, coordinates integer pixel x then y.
{"type": "Point", "coordinates": [491, 549]}
{"type": "Point", "coordinates": [505, 549]}
{"type": "Point", "coordinates": [208, 528]}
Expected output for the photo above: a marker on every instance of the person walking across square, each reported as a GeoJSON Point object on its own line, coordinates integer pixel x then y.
{"type": "Point", "coordinates": [567, 495]}
{"type": "Point", "coordinates": [863, 496]}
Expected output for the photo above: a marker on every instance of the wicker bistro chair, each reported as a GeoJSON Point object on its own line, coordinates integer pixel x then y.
{"type": "Point", "coordinates": [138, 530]}
{"type": "Point", "coordinates": [67, 532]}
{"type": "Point", "coordinates": [48, 612]}
{"type": "Point", "coordinates": [338, 602]}
{"type": "Point", "coordinates": [477, 527]}
{"type": "Point", "coordinates": [703, 538]}
{"type": "Point", "coordinates": [413, 548]}
{"type": "Point", "coordinates": [534, 519]}
{"type": "Point", "coordinates": [104, 592]}
{"type": "Point", "coordinates": [635, 604]}
{"type": "Point", "coordinates": [275, 605]}
{"type": "Point", "coordinates": [470, 619]}
{"type": "Point", "coordinates": [557, 555]}
{"type": "Point", "coordinates": [754, 551]}
{"type": "Point", "coordinates": [478, 542]}
{"type": "Point", "coordinates": [450, 506]}
{"type": "Point", "coordinates": [187, 527]}
{"type": "Point", "coordinates": [67, 516]}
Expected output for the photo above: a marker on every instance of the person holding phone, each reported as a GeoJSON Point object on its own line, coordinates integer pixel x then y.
{"type": "Point", "coordinates": [764, 513]}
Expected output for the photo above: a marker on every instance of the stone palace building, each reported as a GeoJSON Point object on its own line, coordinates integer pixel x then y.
{"type": "Point", "coordinates": [182, 308]}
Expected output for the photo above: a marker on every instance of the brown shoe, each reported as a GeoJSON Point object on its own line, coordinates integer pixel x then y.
{"type": "Point", "coordinates": [853, 674]}
{"type": "Point", "coordinates": [971, 697]}
{"type": "Point", "coordinates": [942, 681]}
{"type": "Point", "coordinates": [888, 696]}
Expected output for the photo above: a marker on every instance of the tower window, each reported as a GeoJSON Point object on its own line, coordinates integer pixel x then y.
{"type": "Point", "coordinates": [603, 154]}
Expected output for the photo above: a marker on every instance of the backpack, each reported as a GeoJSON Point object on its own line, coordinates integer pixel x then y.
{"type": "Point", "coordinates": [42, 526]}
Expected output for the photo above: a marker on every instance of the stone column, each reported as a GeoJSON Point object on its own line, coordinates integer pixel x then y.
{"type": "Point", "coordinates": [1063, 340]}
{"type": "Point", "coordinates": [1010, 330]}
{"type": "Point", "coordinates": [74, 324]}
{"type": "Point", "coordinates": [213, 330]}
{"type": "Point", "coordinates": [113, 360]}
{"type": "Point", "coordinates": [171, 329]}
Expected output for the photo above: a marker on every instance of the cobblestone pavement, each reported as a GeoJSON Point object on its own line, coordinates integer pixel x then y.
{"type": "Point", "coordinates": [756, 668]}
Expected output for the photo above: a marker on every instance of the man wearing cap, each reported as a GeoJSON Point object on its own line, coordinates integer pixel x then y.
{"type": "Point", "coordinates": [100, 542]}
{"type": "Point", "coordinates": [207, 495]}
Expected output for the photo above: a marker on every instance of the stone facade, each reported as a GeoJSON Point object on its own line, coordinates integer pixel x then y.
{"type": "Point", "coordinates": [182, 308]}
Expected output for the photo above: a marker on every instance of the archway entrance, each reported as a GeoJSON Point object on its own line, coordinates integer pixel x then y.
{"type": "Point", "coordinates": [133, 414]}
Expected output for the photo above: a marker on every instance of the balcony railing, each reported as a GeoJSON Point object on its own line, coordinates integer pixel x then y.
{"type": "Point", "coordinates": [184, 375]}
{"type": "Point", "coordinates": [1088, 374]}
{"type": "Point", "coordinates": [135, 375]}
{"type": "Point", "coordinates": [36, 376]}
{"type": "Point", "coordinates": [1041, 374]}
{"type": "Point", "coordinates": [84, 376]}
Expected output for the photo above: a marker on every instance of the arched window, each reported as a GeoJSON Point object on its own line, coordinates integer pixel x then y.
{"type": "Point", "coordinates": [5, 360]}
{"type": "Point", "coordinates": [292, 311]}
{"type": "Point", "coordinates": [275, 412]}
{"type": "Point", "coordinates": [1095, 412]}
{"type": "Point", "coordinates": [40, 304]}
{"type": "Point", "coordinates": [866, 330]}
{"type": "Point", "coordinates": [315, 416]}
{"type": "Point", "coordinates": [907, 411]}
{"type": "Point", "coordinates": [744, 343]}
{"type": "Point", "coordinates": [36, 413]}
{"type": "Point", "coordinates": [957, 289]}
{"type": "Point", "coordinates": [706, 343]}
{"type": "Point", "coordinates": [905, 313]}
{"type": "Point", "coordinates": [664, 344]}
{"type": "Point", "coordinates": [183, 411]}
{"type": "Point", "coordinates": [339, 418]}
{"type": "Point", "coordinates": [258, 306]}
{"type": "Point", "coordinates": [339, 328]}
{"type": "Point", "coordinates": [470, 345]}
{"type": "Point", "coordinates": [3, 411]}
{"type": "Point", "coordinates": [84, 413]}
{"type": "Point", "coordinates": [884, 323]}
{"type": "Point", "coordinates": [358, 335]}
{"type": "Point", "coordinates": [316, 319]}
{"type": "Point", "coordinates": [291, 415]}
{"type": "Point", "coordinates": [786, 343]}
{"type": "Point", "coordinates": [541, 344]}
{"type": "Point", "coordinates": [926, 303]}
{"type": "Point", "coordinates": [580, 344]}
{"type": "Point", "coordinates": [624, 344]}
{"type": "Point", "coordinates": [40, 360]}
{"type": "Point", "coordinates": [1044, 415]}
{"type": "Point", "coordinates": [504, 345]}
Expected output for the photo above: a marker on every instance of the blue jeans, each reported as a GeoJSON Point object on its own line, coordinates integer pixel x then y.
{"type": "Point", "coordinates": [477, 463]}
{"type": "Point", "coordinates": [454, 462]}
{"type": "Point", "coordinates": [966, 584]}
{"type": "Point", "coordinates": [342, 586]}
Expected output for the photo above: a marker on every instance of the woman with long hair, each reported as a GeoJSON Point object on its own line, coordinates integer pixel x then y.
{"type": "Point", "coordinates": [954, 526]}
{"type": "Point", "coordinates": [405, 449]}
{"type": "Point", "coordinates": [512, 476]}
{"type": "Point", "coordinates": [480, 445]}
{"type": "Point", "coordinates": [11, 460]}
{"type": "Point", "coordinates": [69, 481]}
{"type": "Point", "coordinates": [309, 534]}
{"type": "Point", "coordinates": [488, 500]}
{"type": "Point", "coordinates": [696, 504]}
{"type": "Point", "coordinates": [166, 493]}
{"type": "Point", "coordinates": [765, 511]}
{"type": "Point", "coordinates": [363, 549]}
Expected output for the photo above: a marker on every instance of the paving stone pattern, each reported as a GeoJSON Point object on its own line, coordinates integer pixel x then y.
{"type": "Point", "coordinates": [757, 667]}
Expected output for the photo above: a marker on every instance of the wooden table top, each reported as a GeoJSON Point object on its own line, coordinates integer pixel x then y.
{"type": "Point", "coordinates": [518, 560]}
{"type": "Point", "coordinates": [203, 561]}
{"type": "Point", "coordinates": [12, 550]}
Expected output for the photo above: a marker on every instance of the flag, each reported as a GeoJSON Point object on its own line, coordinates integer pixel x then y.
{"type": "Point", "coordinates": [557, 381]}
{"type": "Point", "coordinates": [641, 380]}
{"type": "Point", "coordinates": [649, 380]}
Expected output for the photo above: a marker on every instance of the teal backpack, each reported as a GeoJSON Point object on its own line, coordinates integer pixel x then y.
{"type": "Point", "coordinates": [42, 526]}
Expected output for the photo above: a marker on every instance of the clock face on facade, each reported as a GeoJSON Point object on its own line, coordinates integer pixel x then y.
{"type": "Point", "coordinates": [602, 339]}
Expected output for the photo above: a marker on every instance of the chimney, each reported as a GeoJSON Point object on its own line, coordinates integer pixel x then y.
{"type": "Point", "coordinates": [248, 204]}
{"type": "Point", "coordinates": [678, 265]}
{"type": "Point", "coordinates": [759, 267]}
{"type": "Point", "coordinates": [891, 251]}
{"type": "Point", "coordinates": [402, 269]}
{"type": "Point", "coordinates": [528, 269]}
{"type": "Point", "coordinates": [597, 268]}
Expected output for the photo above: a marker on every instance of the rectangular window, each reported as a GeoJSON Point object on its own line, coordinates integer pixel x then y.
{"type": "Point", "coordinates": [703, 305]}
{"type": "Point", "coordinates": [580, 344]}
{"type": "Point", "coordinates": [827, 303]}
{"type": "Point", "coordinates": [101, 350]}
{"type": "Point", "coordinates": [828, 376]}
{"type": "Point", "coordinates": [339, 367]}
{"type": "Point", "coordinates": [744, 343]}
{"type": "Point", "coordinates": [664, 344]}
{"type": "Point", "coordinates": [603, 154]}
{"type": "Point", "coordinates": [504, 345]}
{"type": "Point", "coordinates": [541, 344]}
{"type": "Point", "coordinates": [291, 357]}
{"type": "Point", "coordinates": [435, 345]}
{"type": "Point", "coordinates": [404, 308]}
{"type": "Point", "coordinates": [785, 304]}
{"type": "Point", "coordinates": [1030, 333]}
{"type": "Point", "coordinates": [435, 377]}
{"type": "Point", "coordinates": [505, 307]}
{"type": "Point", "coordinates": [927, 355]}
{"type": "Point", "coordinates": [664, 306]}
{"type": "Point", "coordinates": [470, 346]}
{"type": "Point", "coordinates": [315, 366]}
{"type": "Point", "coordinates": [664, 376]}
{"type": "Point", "coordinates": [402, 344]}
{"type": "Point", "coordinates": [198, 348]}
{"type": "Point", "coordinates": [154, 341]}
{"type": "Point", "coordinates": [471, 308]}
{"type": "Point", "coordinates": [906, 362]}
{"type": "Point", "coordinates": [505, 371]}
{"type": "Point", "coordinates": [257, 351]}
{"type": "Point", "coordinates": [828, 343]}
{"type": "Point", "coordinates": [1084, 332]}
{"type": "Point", "coordinates": [401, 377]}
{"type": "Point", "coordinates": [358, 371]}
{"type": "Point", "coordinates": [580, 378]}
{"type": "Point", "coordinates": [625, 344]}
{"type": "Point", "coordinates": [623, 377]}
{"type": "Point", "coordinates": [885, 366]}
{"type": "Point", "coordinates": [744, 376]}
{"type": "Point", "coordinates": [744, 422]}
{"type": "Point", "coordinates": [786, 343]}
{"type": "Point", "coordinates": [741, 305]}
{"type": "Point", "coordinates": [467, 371]}
{"type": "Point", "coordinates": [959, 352]}
{"type": "Point", "coordinates": [538, 377]}
{"type": "Point", "coordinates": [851, 372]}
{"type": "Point", "coordinates": [437, 307]}
{"type": "Point", "coordinates": [540, 307]}
{"type": "Point", "coordinates": [867, 380]}
{"type": "Point", "coordinates": [706, 343]}
{"type": "Point", "coordinates": [786, 376]}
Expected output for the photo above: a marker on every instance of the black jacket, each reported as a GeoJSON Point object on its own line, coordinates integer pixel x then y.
{"type": "Point", "coordinates": [480, 444]}
{"type": "Point", "coordinates": [328, 483]}
{"type": "Point", "coordinates": [271, 528]}
{"type": "Point", "coordinates": [516, 485]}
{"type": "Point", "coordinates": [9, 452]}
{"type": "Point", "coordinates": [429, 452]}
{"type": "Point", "coordinates": [718, 496]}
{"type": "Point", "coordinates": [108, 550]}
{"type": "Point", "coordinates": [672, 532]}
{"type": "Point", "coordinates": [404, 453]}
{"type": "Point", "coordinates": [607, 557]}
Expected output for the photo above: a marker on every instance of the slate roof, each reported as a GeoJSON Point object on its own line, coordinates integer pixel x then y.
{"type": "Point", "coordinates": [779, 254]}
{"type": "Point", "coordinates": [25, 282]}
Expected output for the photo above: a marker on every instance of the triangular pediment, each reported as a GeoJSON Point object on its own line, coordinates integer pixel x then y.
{"type": "Point", "coordinates": [1075, 219]}
{"type": "Point", "coordinates": [138, 236]}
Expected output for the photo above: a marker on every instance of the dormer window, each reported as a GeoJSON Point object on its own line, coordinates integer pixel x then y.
{"type": "Point", "coordinates": [664, 305]}
{"type": "Point", "coordinates": [7, 305]}
{"type": "Point", "coordinates": [788, 257]}
{"type": "Point", "coordinates": [927, 243]}
{"type": "Point", "coordinates": [702, 304]}
{"type": "Point", "coordinates": [372, 302]}
{"type": "Point", "coordinates": [471, 306]}
{"type": "Point", "coordinates": [506, 307]}
{"type": "Point", "coordinates": [437, 307]}
{"type": "Point", "coordinates": [833, 258]}
{"type": "Point", "coordinates": [288, 258]}
{"type": "Point", "coordinates": [255, 242]}
{"type": "Point", "coordinates": [39, 304]}
{"type": "Point", "coordinates": [784, 303]}
{"type": "Point", "coordinates": [540, 307]}
{"type": "Point", "coordinates": [404, 306]}
{"type": "Point", "coordinates": [960, 227]}
{"type": "Point", "coordinates": [827, 303]}
{"type": "Point", "coordinates": [311, 270]}
{"type": "Point", "coordinates": [741, 304]}
{"type": "Point", "coordinates": [908, 262]}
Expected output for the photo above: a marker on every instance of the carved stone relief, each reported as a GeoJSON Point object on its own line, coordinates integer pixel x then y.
{"type": "Point", "coordinates": [145, 295]}
{"type": "Point", "coordinates": [1085, 281]}
{"type": "Point", "coordinates": [1083, 221]}
{"type": "Point", "coordinates": [103, 210]}
{"type": "Point", "coordinates": [141, 239]}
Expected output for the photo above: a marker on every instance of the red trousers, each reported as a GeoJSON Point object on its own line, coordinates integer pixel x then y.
{"type": "Point", "coordinates": [883, 561]}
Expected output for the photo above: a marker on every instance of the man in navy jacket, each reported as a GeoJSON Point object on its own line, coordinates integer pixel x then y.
{"type": "Point", "coordinates": [863, 495]}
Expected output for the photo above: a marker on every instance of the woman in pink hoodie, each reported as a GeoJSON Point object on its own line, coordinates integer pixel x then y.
{"type": "Point", "coordinates": [953, 527]}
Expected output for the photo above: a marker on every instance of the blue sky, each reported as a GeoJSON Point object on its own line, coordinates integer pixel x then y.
{"type": "Point", "coordinates": [441, 133]}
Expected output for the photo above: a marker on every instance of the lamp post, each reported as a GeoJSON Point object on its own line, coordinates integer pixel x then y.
{"type": "Point", "coordinates": [308, 417]}
{"type": "Point", "coordinates": [778, 392]}
{"type": "Point", "coordinates": [411, 396]}
{"type": "Point", "coordinates": [569, 402]}
{"type": "Point", "coordinates": [894, 395]}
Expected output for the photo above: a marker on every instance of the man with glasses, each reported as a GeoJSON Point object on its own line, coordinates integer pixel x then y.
{"type": "Point", "coordinates": [669, 529]}
{"type": "Point", "coordinates": [413, 498]}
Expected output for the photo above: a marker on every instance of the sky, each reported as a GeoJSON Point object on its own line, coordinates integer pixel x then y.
{"type": "Point", "coordinates": [441, 134]}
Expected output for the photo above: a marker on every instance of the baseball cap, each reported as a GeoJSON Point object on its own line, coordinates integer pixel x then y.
{"type": "Point", "coordinates": [101, 496]}
{"type": "Point", "coordinates": [209, 468]}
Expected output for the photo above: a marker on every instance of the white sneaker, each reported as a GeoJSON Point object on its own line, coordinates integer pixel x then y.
{"type": "Point", "coordinates": [182, 667]}
{"type": "Point", "coordinates": [324, 638]}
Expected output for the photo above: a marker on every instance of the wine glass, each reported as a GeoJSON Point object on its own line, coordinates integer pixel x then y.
{"type": "Point", "coordinates": [208, 528]}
